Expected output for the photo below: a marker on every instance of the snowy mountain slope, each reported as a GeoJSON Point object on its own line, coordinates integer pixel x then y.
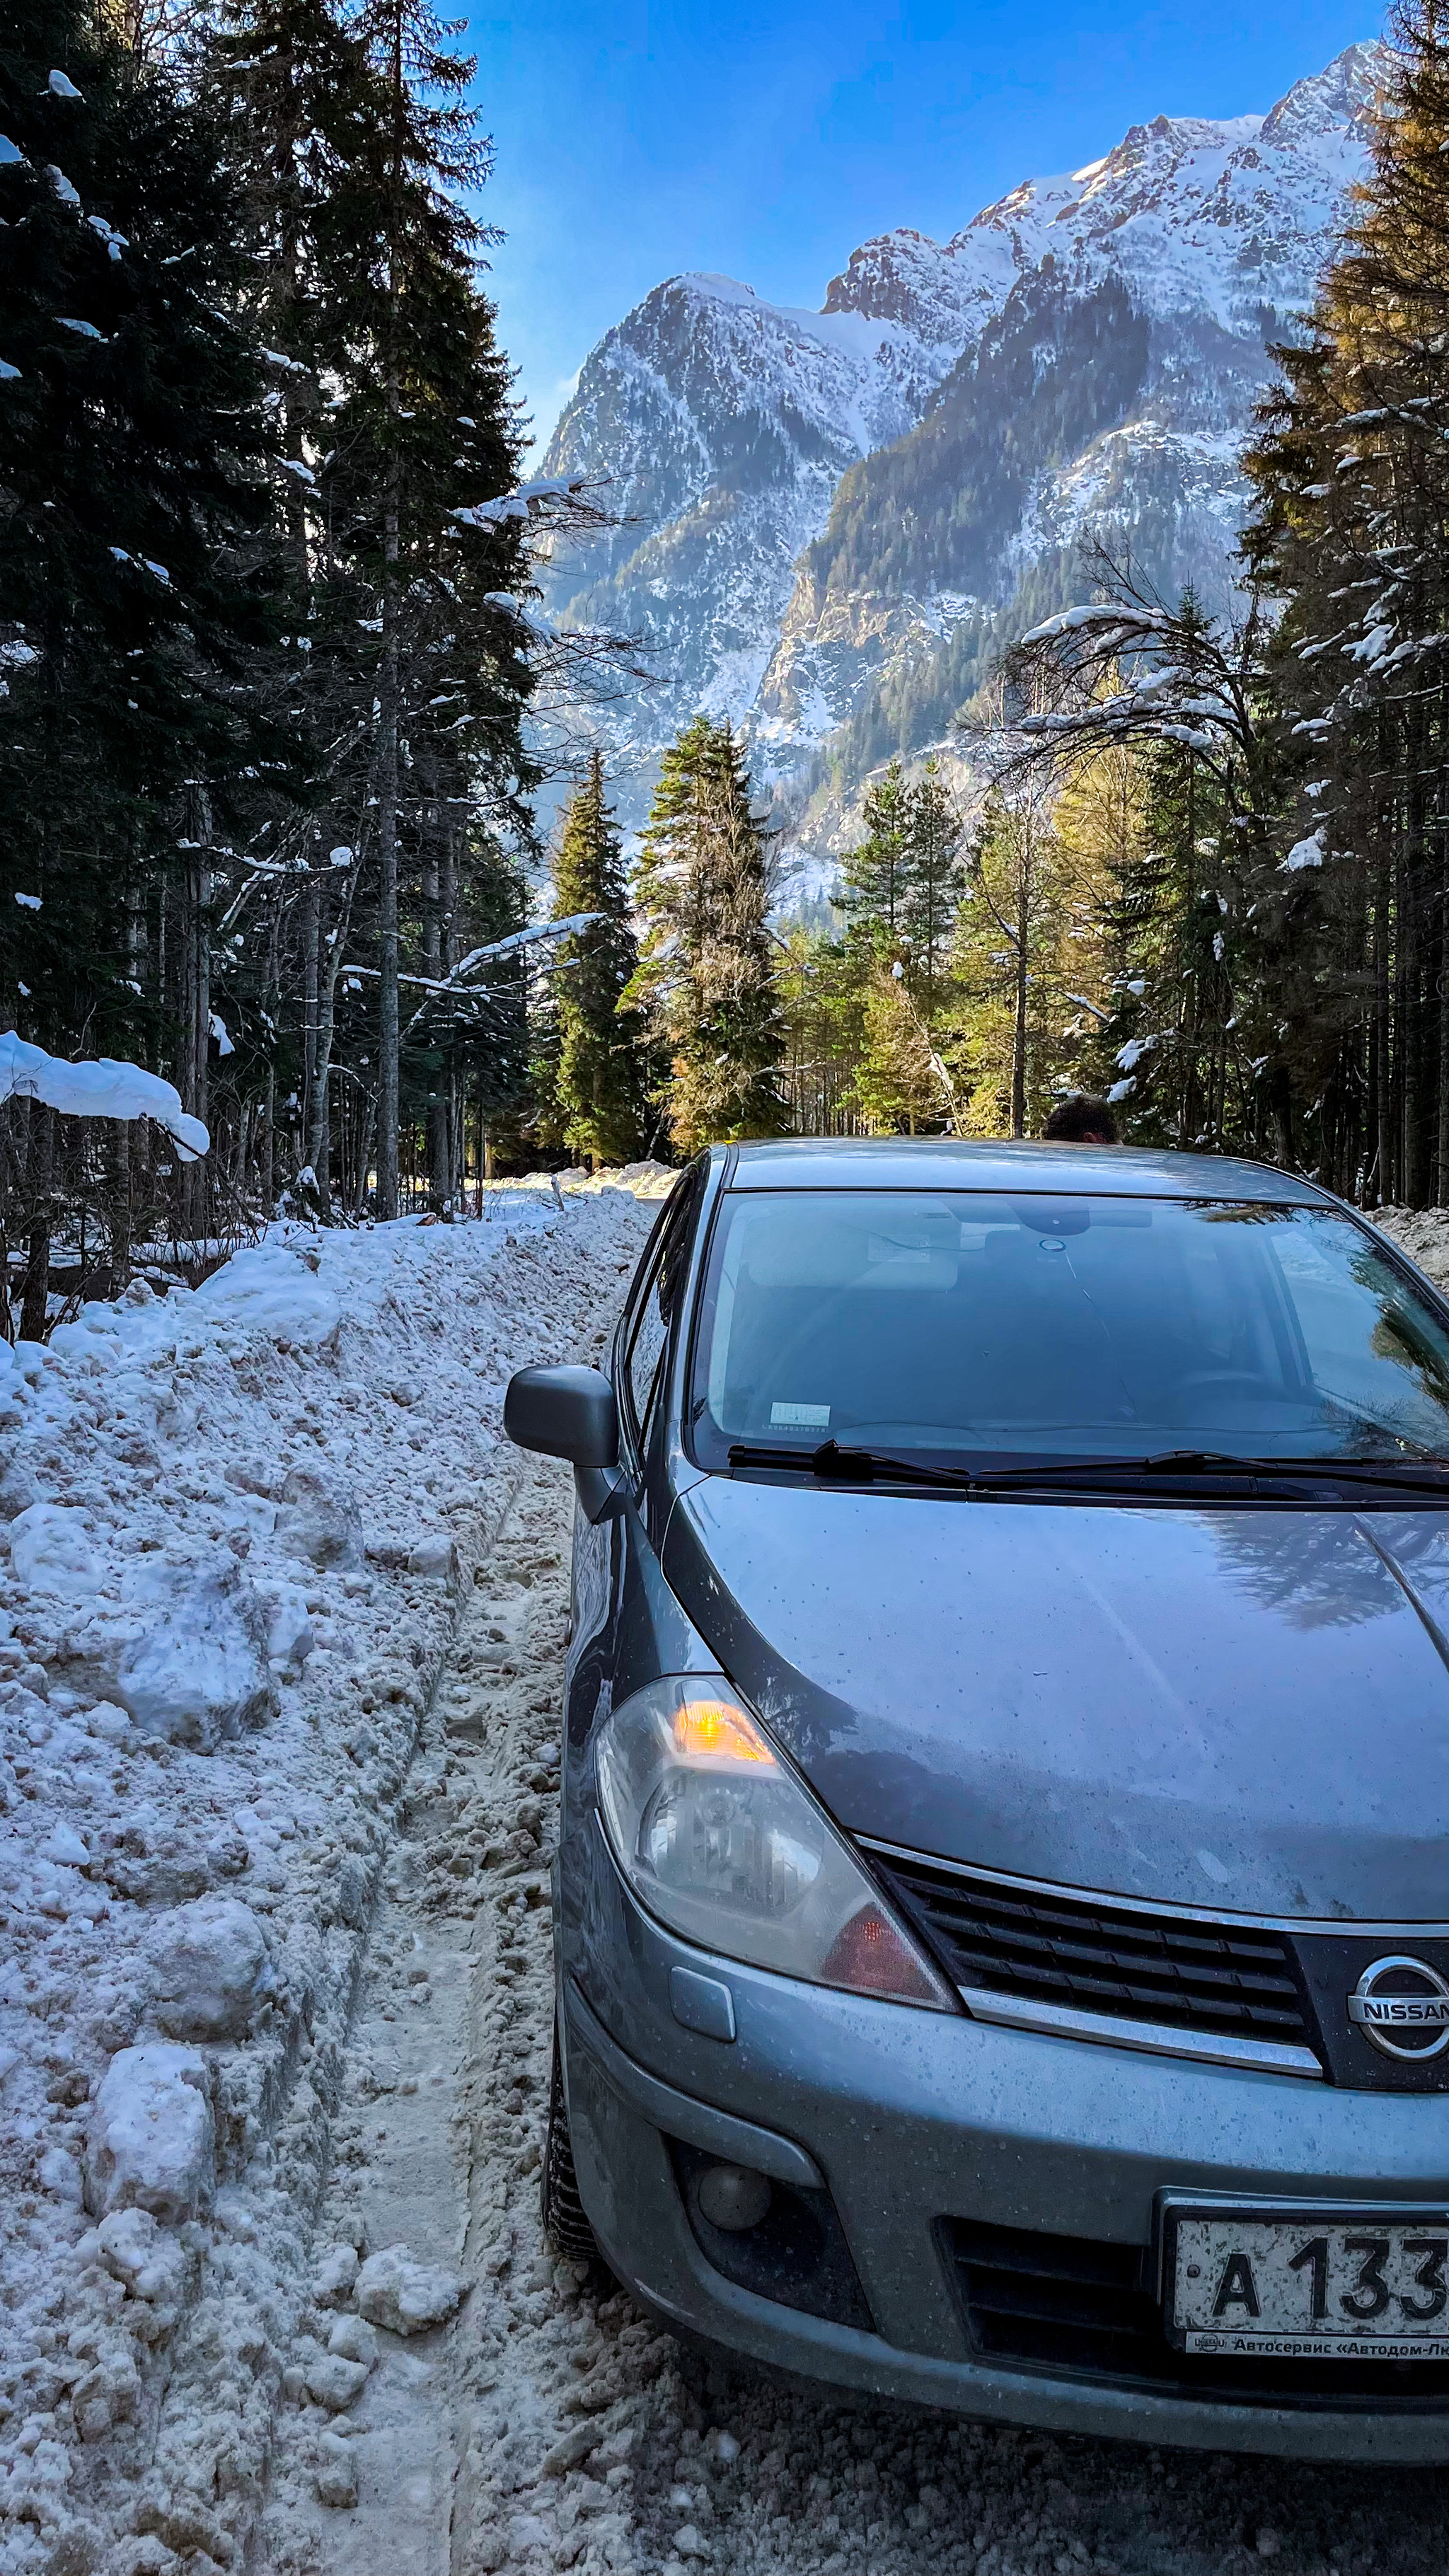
{"type": "Point", "coordinates": [826, 515]}
{"type": "Point", "coordinates": [723, 425]}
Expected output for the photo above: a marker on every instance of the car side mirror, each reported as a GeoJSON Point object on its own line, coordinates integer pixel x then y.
{"type": "Point", "coordinates": [564, 1413]}
{"type": "Point", "coordinates": [570, 1413]}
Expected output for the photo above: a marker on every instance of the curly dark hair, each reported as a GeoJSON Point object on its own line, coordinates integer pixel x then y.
{"type": "Point", "coordinates": [1081, 1121]}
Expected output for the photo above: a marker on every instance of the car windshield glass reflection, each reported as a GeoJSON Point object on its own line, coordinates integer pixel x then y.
{"type": "Point", "coordinates": [993, 1328]}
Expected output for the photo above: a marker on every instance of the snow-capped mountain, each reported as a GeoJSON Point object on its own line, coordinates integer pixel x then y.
{"type": "Point", "coordinates": [828, 520]}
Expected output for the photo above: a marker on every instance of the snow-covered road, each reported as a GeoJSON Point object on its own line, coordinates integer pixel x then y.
{"type": "Point", "coordinates": [276, 2001]}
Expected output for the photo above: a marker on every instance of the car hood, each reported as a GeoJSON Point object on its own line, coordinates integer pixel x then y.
{"type": "Point", "coordinates": [1233, 1709]}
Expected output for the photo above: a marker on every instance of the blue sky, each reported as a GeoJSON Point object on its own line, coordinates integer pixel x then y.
{"type": "Point", "coordinates": [765, 138]}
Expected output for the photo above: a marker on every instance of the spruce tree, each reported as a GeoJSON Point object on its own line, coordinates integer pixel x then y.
{"type": "Point", "coordinates": [875, 875]}
{"type": "Point", "coordinates": [900, 890]}
{"type": "Point", "coordinates": [707, 965]}
{"type": "Point", "coordinates": [935, 882]}
{"type": "Point", "coordinates": [426, 440]}
{"type": "Point", "coordinates": [1351, 531]}
{"type": "Point", "coordinates": [602, 1080]}
{"type": "Point", "coordinates": [897, 1088]}
{"type": "Point", "coordinates": [133, 465]}
{"type": "Point", "coordinates": [291, 83]}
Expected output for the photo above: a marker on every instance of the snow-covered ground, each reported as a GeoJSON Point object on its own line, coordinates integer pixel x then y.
{"type": "Point", "coordinates": [238, 1529]}
{"type": "Point", "coordinates": [279, 1708]}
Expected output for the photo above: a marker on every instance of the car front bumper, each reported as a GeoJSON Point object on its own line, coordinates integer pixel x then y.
{"type": "Point", "coordinates": [915, 2118]}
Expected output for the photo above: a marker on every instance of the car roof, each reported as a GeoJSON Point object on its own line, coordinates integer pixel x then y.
{"type": "Point", "coordinates": [959, 1163]}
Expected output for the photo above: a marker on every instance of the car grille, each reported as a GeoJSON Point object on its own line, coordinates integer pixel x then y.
{"type": "Point", "coordinates": [1080, 1951]}
{"type": "Point", "coordinates": [1073, 2305]}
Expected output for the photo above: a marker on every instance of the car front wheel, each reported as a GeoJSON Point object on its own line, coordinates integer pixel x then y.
{"type": "Point", "coordinates": [564, 2221]}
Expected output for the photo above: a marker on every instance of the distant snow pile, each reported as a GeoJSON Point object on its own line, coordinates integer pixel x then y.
{"type": "Point", "coordinates": [645, 1180]}
{"type": "Point", "coordinates": [1421, 1232]}
{"type": "Point", "coordinates": [105, 1088]}
{"type": "Point", "coordinates": [234, 1529]}
{"type": "Point", "coordinates": [272, 1290]}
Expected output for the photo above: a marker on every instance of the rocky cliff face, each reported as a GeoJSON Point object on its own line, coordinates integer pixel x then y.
{"type": "Point", "coordinates": [830, 521]}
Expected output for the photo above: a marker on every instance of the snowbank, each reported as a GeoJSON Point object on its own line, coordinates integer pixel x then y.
{"type": "Point", "coordinates": [1421, 1232]}
{"type": "Point", "coordinates": [646, 1180]}
{"type": "Point", "coordinates": [235, 1529]}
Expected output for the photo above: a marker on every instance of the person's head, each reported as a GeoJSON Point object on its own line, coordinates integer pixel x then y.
{"type": "Point", "coordinates": [1081, 1121]}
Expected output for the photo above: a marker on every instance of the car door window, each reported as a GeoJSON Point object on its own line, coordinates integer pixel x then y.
{"type": "Point", "coordinates": [646, 1351]}
{"type": "Point", "coordinates": [644, 1367]}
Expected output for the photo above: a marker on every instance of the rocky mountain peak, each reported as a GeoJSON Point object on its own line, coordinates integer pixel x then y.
{"type": "Point", "coordinates": [784, 472]}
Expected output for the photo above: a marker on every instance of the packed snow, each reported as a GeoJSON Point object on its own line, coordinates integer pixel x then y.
{"type": "Point", "coordinates": [236, 1528]}
{"type": "Point", "coordinates": [276, 2001]}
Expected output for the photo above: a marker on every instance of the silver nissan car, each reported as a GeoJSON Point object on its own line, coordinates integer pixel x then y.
{"type": "Point", "coordinates": [1002, 1906]}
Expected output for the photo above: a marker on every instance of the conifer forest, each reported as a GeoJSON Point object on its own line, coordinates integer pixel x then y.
{"type": "Point", "coordinates": [300, 806]}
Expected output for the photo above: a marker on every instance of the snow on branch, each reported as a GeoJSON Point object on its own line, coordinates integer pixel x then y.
{"type": "Point", "coordinates": [522, 939]}
{"type": "Point", "coordinates": [1097, 613]}
{"type": "Point", "coordinates": [1127, 669]}
{"type": "Point", "coordinates": [517, 505]}
{"type": "Point", "coordinates": [454, 986]}
{"type": "Point", "coordinates": [104, 1088]}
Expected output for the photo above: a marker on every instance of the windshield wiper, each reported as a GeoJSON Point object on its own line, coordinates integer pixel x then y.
{"type": "Point", "coordinates": [1425, 1475]}
{"type": "Point", "coordinates": [833, 1464]}
{"type": "Point", "coordinates": [1428, 1477]}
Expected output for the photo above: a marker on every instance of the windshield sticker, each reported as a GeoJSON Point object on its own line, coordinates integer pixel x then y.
{"type": "Point", "coordinates": [814, 1416]}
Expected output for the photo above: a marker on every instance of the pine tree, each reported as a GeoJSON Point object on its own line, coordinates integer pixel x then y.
{"type": "Point", "coordinates": [426, 440]}
{"type": "Point", "coordinates": [706, 974]}
{"type": "Point", "coordinates": [900, 890]}
{"type": "Point", "coordinates": [291, 83]}
{"type": "Point", "coordinates": [823, 1008]}
{"type": "Point", "coordinates": [898, 1086]}
{"type": "Point", "coordinates": [875, 875]}
{"type": "Point", "coordinates": [602, 1079]}
{"type": "Point", "coordinates": [935, 882]}
{"type": "Point", "coordinates": [1351, 529]}
{"type": "Point", "coordinates": [1009, 964]}
{"type": "Point", "coordinates": [264, 648]}
{"type": "Point", "coordinates": [133, 452]}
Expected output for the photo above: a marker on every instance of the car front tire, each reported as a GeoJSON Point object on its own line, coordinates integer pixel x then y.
{"type": "Point", "coordinates": [564, 2222]}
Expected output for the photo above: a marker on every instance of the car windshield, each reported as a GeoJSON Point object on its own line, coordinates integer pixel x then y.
{"type": "Point", "coordinates": [989, 1328]}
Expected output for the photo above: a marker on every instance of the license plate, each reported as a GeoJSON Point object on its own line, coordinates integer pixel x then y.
{"type": "Point", "coordinates": [1307, 2284]}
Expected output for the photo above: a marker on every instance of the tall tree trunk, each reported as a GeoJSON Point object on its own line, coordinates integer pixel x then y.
{"type": "Point", "coordinates": [448, 959]}
{"type": "Point", "coordinates": [439, 1175]}
{"type": "Point", "coordinates": [330, 963]}
{"type": "Point", "coordinates": [40, 1163]}
{"type": "Point", "coordinates": [1018, 1032]}
{"type": "Point", "coordinates": [389, 677]}
{"type": "Point", "coordinates": [1382, 1052]}
{"type": "Point", "coordinates": [311, 950]}
{"type": "Point", "coordinates": [1441, 1166]}
{"type": "Point", "coordinates": [118, 1202]}
{"type": "Point", "coordinates": [266, 1157]}
{"type": "Point", "coordinates": [196, 1012]}
{"type": "Point", "coordinates": [387, 930]}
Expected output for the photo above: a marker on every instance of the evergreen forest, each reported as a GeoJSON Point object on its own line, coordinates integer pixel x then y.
{"type": "Point", "coordinates": [271, 684]}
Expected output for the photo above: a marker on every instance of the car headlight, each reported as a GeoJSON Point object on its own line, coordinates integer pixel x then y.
{"type": "Point", "coordinates": [721, 1840]}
